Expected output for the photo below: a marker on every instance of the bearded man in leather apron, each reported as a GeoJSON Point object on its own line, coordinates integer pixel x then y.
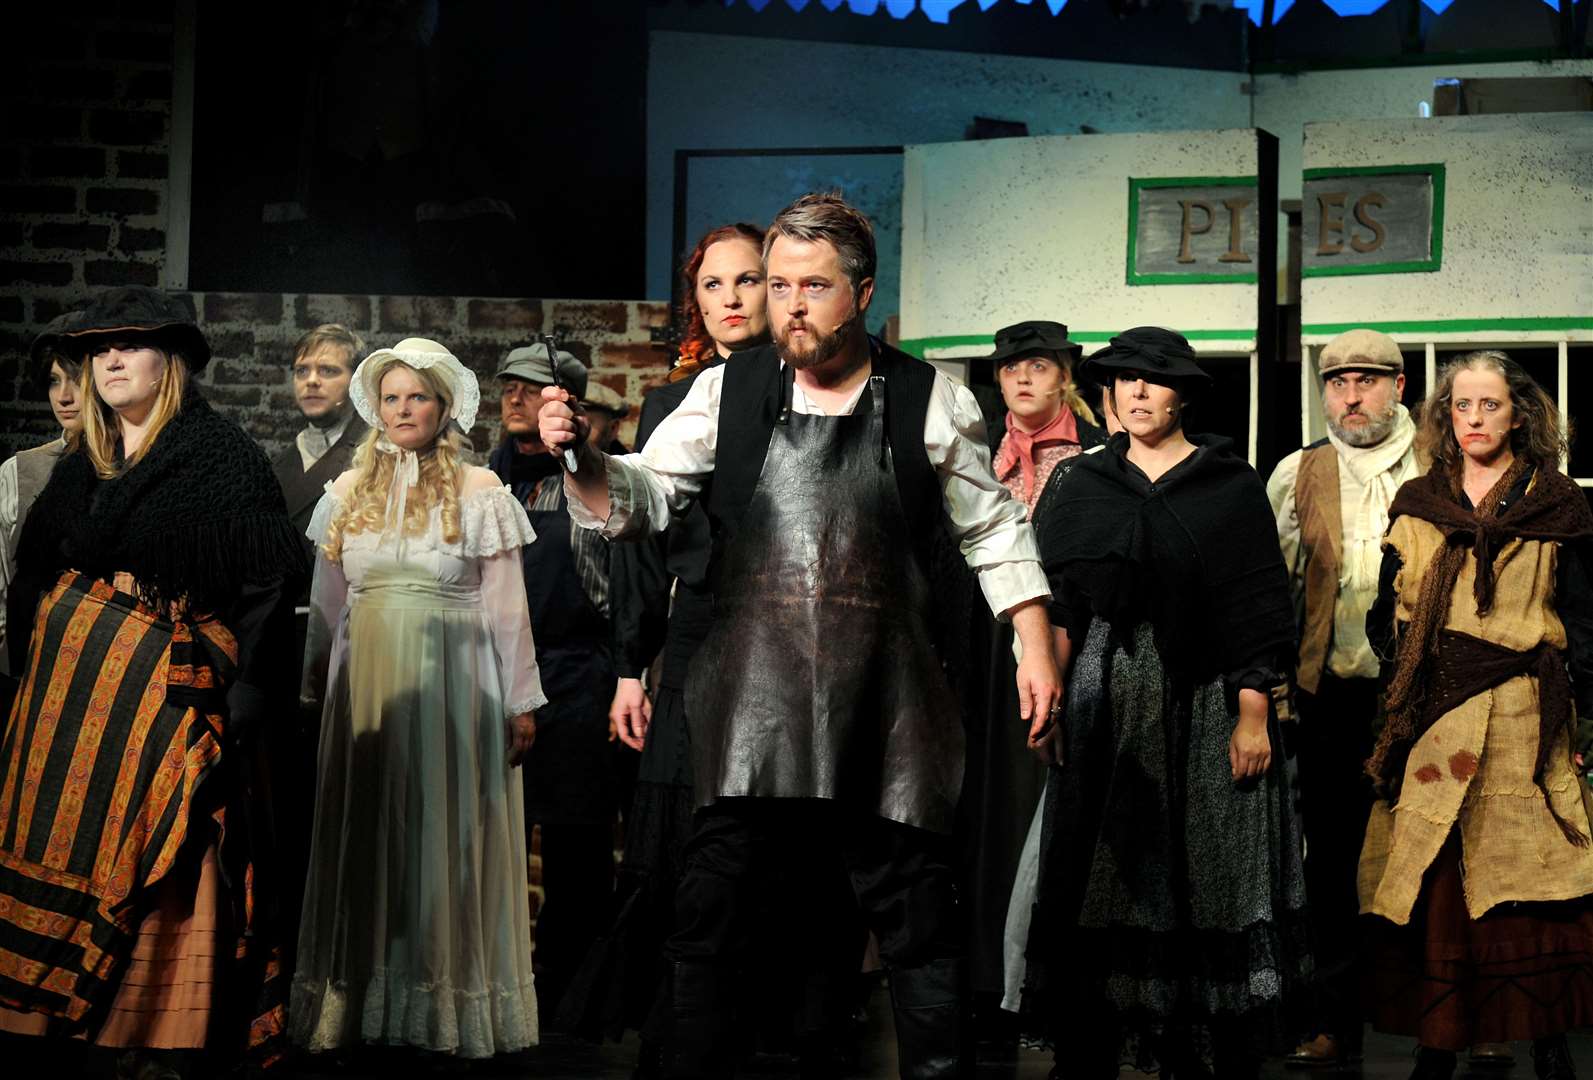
{"type": "Point", "coordinates": [822, 729]}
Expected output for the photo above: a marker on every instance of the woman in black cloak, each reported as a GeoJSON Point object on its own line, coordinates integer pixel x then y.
{"type": "Point", "coordinates": [1169, 919]}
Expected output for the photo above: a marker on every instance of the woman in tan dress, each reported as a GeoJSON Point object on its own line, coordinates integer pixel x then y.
{"type": "Point", "coordinates": [1477, 861]}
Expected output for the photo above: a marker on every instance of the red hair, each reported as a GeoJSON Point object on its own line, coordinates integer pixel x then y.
{"type": "Point", "coordinates": [695, 344]}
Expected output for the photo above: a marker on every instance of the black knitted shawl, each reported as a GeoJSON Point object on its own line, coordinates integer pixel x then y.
{"type": "Point", "coordinates": [1195, 555]}
{"type": "Point", "coordinates": [194, 520]}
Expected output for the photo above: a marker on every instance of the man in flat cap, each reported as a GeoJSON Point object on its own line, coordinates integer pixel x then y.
{"type": "Point", "coordinates": [604, 411]}
{"type": "Point", "coordinates": [569, 778]}
{"type": "Point", "coordinates": [1331, 500]}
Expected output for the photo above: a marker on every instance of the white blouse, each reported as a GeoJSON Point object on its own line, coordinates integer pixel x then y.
{"type": "Point", "coordinates": [493, 528]}
{"type": "Point", "coordinates": [989, 525]}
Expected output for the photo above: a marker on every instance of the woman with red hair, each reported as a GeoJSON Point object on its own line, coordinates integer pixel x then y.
{"type": "Point", "coordinates": [729, 293]}
{"type": "Point", "coordinates": [722, 311]}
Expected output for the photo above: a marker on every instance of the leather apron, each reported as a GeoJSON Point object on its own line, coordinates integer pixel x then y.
{"type": "Point", "coordinates": [818, 678]}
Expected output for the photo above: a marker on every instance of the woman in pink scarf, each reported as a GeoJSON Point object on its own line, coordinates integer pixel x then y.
{"type": "Point", "coordinates": [1047, 423]}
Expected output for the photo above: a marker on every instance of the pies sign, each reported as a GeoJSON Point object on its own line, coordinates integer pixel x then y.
{"type": "Point", "coordinates": [1188, 230]}
{"type": "Point", "coordinates": [1383, 219]}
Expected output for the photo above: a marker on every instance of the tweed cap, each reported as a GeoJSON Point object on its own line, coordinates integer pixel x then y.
{"type": "Point", "coordinates": [1361, 350]}
{"type": "Point", "coordinates": [530, 362]}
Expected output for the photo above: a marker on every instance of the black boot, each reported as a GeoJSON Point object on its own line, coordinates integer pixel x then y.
{"type": "Point", "coordinates": [1433, 1064]}
{"type": "Point", "coordinates": [649, 1061]}
{"type": "Point", "coordinates": [927, 1001]}
{"type": "Point", "coordinates": [1551, 1058]}
{"type": "Point", "coordinates": [700, 1039]}
{"type": "Point", "coordinates": [1233, 1056]}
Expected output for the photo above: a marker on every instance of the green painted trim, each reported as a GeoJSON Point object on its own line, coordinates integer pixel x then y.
{"type": "Point", "coordinates": [1437, 247]}
{"type": "Point", "coordinates": [1435, 227]}
{"type": "Point", "coordinates": [1370, 170]}
{"type": "Point", "coordinates": [1422, 266]}
{"type": "Point", "coordinates": [1190, 181]}
{"type": "Point", "coordinates": [1135, 183]}
{"type": "Point", "coordinates": [1455, 326]}
{"type": "Point", "coordinates": [919, 346]}
{"type": "Point", "coordinates": [1192, 279]}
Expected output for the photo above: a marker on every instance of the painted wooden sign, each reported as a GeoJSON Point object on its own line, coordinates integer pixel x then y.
{"type": "Point", "coordinates": [1386, 219]}
{"type": "Point", "coordinates": [1185, 230]}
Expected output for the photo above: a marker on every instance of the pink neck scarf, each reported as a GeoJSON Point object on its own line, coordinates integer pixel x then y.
{"type": "Point", "coordinates": [1019, 446]}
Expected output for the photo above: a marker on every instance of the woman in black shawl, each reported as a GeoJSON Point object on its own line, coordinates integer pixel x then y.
{"type": "Point", "coordinates": [151, 571]}
{"type": "Point", "coordinates": [1169, 913]}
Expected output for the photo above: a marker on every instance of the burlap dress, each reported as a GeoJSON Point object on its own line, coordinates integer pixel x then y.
{"type": "Point", "coordinates": [1497, 936]}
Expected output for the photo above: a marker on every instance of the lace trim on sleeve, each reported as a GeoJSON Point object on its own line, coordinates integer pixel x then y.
{"type": "Point", "coordinates": [491, 520]}
{"type": "Point", "coordinates": [530, 704]}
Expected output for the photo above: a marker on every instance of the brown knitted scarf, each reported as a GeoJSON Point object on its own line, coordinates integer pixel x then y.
{"type": "Point", "coordinates": [1553, 509]}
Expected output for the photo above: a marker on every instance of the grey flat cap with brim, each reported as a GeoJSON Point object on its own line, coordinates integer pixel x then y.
{"type": "Point", "coordinates": [530, 362]}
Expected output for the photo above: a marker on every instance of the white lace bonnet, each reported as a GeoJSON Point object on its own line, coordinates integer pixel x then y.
{"type": "Point", "coordinates": [418, 353]}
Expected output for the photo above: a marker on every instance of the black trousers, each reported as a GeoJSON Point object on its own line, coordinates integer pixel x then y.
{"type": "Point", "coordinates": [1336, 798]}
{"type": "Point", "coordinates": [578, 903]}
{"type": "Point", "coordinates": [903, 878]}
{"type": "Point", "coordinates": [820, 857]}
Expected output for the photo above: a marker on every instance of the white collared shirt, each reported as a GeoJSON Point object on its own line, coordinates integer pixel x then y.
{"type": "Point", "coordinates": [646, 489]}
{"type": "Point", "coordinates": [313, 442]}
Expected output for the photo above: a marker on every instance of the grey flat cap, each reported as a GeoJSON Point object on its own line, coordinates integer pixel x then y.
{"type": "Point", "coordinates": [530, 362]}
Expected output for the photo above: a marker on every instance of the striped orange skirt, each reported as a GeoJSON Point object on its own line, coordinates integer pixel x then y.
{"type": "Point", "coordinates": [109, 883]}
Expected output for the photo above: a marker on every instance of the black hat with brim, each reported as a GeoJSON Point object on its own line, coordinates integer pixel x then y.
{"type": "Point", "coordinates": [1161, 356]}
{"type": "Point", "coordinates": [140, 313]}
{"type": "Point", "coordinates": [51, 342]}
{"type": "Point", "coordinates": [1033, 338]}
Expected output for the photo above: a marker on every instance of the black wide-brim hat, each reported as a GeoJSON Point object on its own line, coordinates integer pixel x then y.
{"type": "Point", "coordinates": [1160, 355]}
{"type": "Point", "coordinates": [139, 313]}
{"type": "Point", "coordinates": [1033, 338]}
{"type": "Point", "coordinates": [51, 342]}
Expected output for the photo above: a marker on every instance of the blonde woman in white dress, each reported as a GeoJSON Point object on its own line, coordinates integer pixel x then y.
{"type": "Point", "coordinates": [416, 927]}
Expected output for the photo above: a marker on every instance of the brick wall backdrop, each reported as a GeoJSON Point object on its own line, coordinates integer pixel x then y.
{"type": "Point", "coordinates": [84, 201]}
{"type": "Point", "coordinates": [252, 335]}
{"type": "Point", "coordinates": [85, 148]}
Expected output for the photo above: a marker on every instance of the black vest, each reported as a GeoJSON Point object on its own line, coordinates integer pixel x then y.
{"type": "Point", "coordinates": [749, 402]}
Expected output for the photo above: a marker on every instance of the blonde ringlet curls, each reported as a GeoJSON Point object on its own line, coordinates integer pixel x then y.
{"type": "Point", "coordinates": [441, 466]}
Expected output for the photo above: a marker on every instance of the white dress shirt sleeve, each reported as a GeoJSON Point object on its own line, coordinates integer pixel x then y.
{"type": "Point", "coordinates": [989, 525]}
{"type": "Point", "coordinates": [1280, 493]}
{"type": "Point", "coordinates": [645, 490]}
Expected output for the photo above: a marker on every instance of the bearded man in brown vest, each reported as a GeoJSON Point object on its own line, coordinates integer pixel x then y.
{"type": "Point", "coordinates": [1331, 500]}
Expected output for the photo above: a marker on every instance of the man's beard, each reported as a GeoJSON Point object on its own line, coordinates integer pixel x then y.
{"type": "Point", "coordinates": [1376, 430]}
{"type": "Point", "coordinates": [824, 347]}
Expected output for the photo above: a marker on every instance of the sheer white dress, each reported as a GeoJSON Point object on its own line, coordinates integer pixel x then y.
{"type": "Point", "coordinates": [416, 925]}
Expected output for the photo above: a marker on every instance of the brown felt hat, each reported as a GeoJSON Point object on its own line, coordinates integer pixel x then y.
{"type": "Point", "coordinates": [140, 313]}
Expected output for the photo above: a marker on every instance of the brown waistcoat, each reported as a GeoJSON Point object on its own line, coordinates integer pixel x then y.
{"type": "Point", "coordinates": [1318, 507]}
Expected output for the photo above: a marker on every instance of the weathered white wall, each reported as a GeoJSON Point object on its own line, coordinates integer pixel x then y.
{"type": "Point", "coordinates": [1284, 104]}
{"type": "Point", "coordinates": [709, 91]}
{"type": "Point", "coordinates": [995, 233]}
{"type": "Point", "coordinates": [713, 91]}
{"type": "Point", "coordinates": [1517, 233]}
